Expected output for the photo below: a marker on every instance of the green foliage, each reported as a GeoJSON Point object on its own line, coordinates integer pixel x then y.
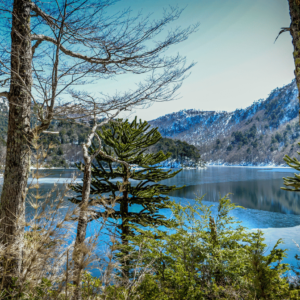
{"type": "Point", "coordinates": [59, 151]}
{"type": "Point", "coordinates": [76, 134]}
{"type": "Point", "coordinates": [252, 132]}
{"type": "Point", "coordinates": [57, 161]}
{"type": "Point", "coordinates": [211, 258]}
{"type": "Point", "coordinates": [239, 138]}
{"type": "Point", "coordinates": [292, 183]}
{"type": "Point", "coordinates": [128, 142]}
{"type": "Point", "coordinates": [274, 112]}
{"type": "Point", "coordinates": [24, 292]}
{"type": "Point", "coordinates": [242, 138]}
{"type": "Point", "coordinates": [179, 150]}
{"type": "Point", "coordinates": [265, 270]}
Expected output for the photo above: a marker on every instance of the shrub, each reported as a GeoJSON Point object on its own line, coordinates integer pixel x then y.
{"type": "Point", "coordinates": [211, 257]}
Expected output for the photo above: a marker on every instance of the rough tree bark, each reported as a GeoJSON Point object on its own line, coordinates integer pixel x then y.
{"type": "Point", "coordinates": [17, 153]}
{"type": "Point", "coordinates": [79, 249]}
{"type": "Point", "coordinates": [295, 33]}
{"type": "Point", "coordinates": [124, 226]}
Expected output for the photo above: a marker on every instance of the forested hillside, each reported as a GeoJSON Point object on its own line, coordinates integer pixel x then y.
{"type": "Point", "coordinates": [260, 134]}
{"type": "Point", "coordinates": [67, 144]}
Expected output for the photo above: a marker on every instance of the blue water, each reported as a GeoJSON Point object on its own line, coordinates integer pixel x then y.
{"type": "Point", "coordinates": [274, 211]}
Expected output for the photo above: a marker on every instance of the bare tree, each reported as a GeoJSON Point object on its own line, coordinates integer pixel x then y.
{"type": "Point", "coordinates": [47, 48]}
{"type": "Point", "coordinates": [83, 218]}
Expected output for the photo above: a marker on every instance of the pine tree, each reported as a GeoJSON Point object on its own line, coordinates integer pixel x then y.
{"type": "Point", "coordinates": [266, 271]}
{"type": "Point", "coordinates": [209, 255]}
{"type": "Point", "coordinates": [292, 183]}
{"type": "Point", "coordinates": [129, 142]}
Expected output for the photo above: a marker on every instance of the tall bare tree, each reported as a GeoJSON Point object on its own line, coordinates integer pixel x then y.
{"type": "Point", "coordinates": [79, 254]}
{"type": "Point", "coordinates": [47, 48]}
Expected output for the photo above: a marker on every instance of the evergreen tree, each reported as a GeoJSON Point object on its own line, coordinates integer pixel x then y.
{"type": "Point", "coordinates": [209, 255]}
{"type": "Point", "coordinates": [266, 270]}
{"type": "Point", "coordinates": [292, 183]}
{"type": "Point", "coordinates": [128, 142]}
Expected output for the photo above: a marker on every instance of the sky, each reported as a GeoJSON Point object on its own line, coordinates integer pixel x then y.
{"type": "Point", "coordinates": [237, 59]}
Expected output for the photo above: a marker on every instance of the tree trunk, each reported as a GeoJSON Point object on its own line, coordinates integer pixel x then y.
{"type": "Point", "coordinates": [295, 33]}
{"type": "Point", "coordinates": [124, 237]}
{"type": "Point", "coordinates": [124, 227]}
{"type": "Point", "coordinates": [12, 213]}
{"type": "Point", "coordinates": [79, 247]}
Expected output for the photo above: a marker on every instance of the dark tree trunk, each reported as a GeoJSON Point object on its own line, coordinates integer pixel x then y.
{"type": "Point", "coordinates": [124, 226]}
{"type": "Point", "coordinates": [12, 213]}
{"type": "Point", "coordinates": [125, 234]}
{"type": "Point", "coordinates": [79, 249]}
{"type": "Point", "coordinates": [295, 33]}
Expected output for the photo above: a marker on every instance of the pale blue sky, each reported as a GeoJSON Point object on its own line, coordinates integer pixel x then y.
{"type": "Point", "coordinates": [237, 60]}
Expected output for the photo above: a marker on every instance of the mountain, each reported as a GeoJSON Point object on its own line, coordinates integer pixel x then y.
{"type": "Point", "coordinates": [258, 135]}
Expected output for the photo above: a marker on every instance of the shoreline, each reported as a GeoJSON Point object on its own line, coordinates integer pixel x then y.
{"type": "Point", "coordinates": [271, 166]}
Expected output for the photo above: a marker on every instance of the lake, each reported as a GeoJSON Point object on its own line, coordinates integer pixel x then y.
{"type": "Point", "coordinates": [269, 208]}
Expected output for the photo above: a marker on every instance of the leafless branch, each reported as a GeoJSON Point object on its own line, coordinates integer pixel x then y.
{"type": "Point", "coordinates": [4, 94]}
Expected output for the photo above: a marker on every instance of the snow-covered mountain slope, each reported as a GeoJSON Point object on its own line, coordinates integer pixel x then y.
{"type": "Point", "coordinates": [213, 132]}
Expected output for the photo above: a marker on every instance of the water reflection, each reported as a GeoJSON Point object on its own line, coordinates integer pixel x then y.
{"type": "Point", "coordinates": [254, 194]}
{"type": "Point", "coordinates": [270, 208]}
{"type": "Point", "coordinates": [254, 188]}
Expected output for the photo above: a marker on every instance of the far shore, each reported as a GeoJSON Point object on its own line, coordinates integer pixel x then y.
{"type": "Point", "coordinates": [251, 166]}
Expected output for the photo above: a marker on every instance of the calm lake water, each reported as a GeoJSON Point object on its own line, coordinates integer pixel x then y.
{"type": "Point", "coordinates": [269, 208]}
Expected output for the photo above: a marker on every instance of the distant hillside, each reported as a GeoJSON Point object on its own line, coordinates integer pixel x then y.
{"type": "Point", "coordinates": [259, 134]}
{"type": "Point", "coordinates": [68, 150]}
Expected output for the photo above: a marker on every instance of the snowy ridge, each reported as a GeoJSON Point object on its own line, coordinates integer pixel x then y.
{"type": "Point", "coordinates": [206, 128]}
{"type": "Point", "coordinates": [197, 127]}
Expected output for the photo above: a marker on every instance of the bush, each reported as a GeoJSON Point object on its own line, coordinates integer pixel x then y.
{"type": "Point", "coordinates": [207, 257]}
